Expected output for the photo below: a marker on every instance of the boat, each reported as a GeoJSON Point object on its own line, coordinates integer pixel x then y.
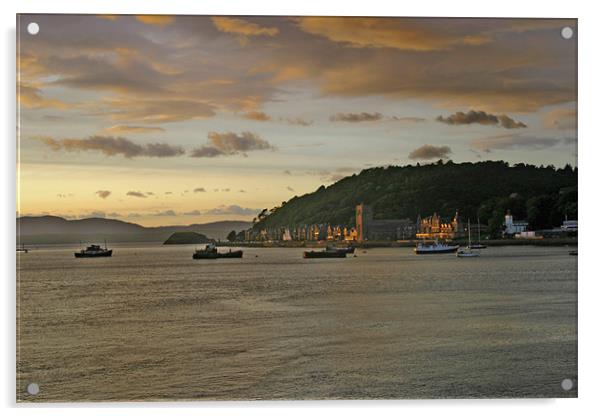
{"type": "Point", "coordinates": [478, 245]}
{"type": "Point", "coordinates": [468, 251]}
{"type": "Point", "coordinates": [435, 248]}
{"type": "Point", "coordinates": [210, 252]}
{"type": "Point", "coordinates": [325, 254]}
{"type": "Point", "coordinates": [347, 250]}
{"type": "Point", "coordinates": [22, 249]}
{"type": "Point", "coordinates": [94, 251]}
{"type": "Point", "coordinates": [573, 253]}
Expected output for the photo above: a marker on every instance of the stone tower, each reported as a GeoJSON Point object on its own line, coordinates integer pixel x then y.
{"type": "Point", "coordinates": [363, 220]}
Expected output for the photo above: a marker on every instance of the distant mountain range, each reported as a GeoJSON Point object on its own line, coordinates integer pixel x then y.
{"type": "Point", "coordinates": [50, 229]}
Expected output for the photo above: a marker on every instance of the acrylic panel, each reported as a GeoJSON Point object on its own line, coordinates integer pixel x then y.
{"type": "Point", "coordinates": [280, 207]}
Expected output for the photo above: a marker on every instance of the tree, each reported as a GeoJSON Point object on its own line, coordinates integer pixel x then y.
{"type": "Point", "coordinates": [231, 236]}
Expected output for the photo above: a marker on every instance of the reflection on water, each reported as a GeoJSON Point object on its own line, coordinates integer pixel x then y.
{"type": "Point", "coordinates": [150, 323]}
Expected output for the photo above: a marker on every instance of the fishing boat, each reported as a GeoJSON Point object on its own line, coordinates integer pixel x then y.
{"type": "Point", "coordinates": [210, 252]}
{"type": "Point", "coordinates": [324, 254]}
{"type": "Point", "coordinates": [435, 248]}
{"type": "Point", "coordinates": [478, 245]}
{"type": "Point", "coordinates": [94, 251]}
{"type": "Point", "coordinates": [468, 251]}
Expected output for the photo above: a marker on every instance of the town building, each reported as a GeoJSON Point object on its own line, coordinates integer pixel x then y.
{"type": "Point", "coordinates": [512, 227]}
{"type": "Point", "coordinates": [434, 227]}
{"type": "Point", "coordinates": [390, 229]}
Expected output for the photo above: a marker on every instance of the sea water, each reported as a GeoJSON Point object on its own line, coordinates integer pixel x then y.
{"type": "Point", "coordinates": [151, 323]}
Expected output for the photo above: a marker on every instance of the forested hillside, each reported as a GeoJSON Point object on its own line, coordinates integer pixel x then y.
{"type": "Point", "coordinates": [542, 195]}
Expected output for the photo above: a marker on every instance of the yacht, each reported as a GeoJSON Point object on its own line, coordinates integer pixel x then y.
{"type": "Point", "coordinates": [468, 250]}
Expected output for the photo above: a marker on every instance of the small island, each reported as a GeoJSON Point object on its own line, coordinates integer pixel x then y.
{"type": "Point", "coordinates": [188, 237]}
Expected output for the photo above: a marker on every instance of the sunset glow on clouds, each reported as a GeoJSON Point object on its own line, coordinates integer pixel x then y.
{"type": "Point", "coordinates": [165, 105]}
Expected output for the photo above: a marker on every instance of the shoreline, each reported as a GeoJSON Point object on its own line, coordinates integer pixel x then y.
{"type": "Point", "coordinates": [550, 242]}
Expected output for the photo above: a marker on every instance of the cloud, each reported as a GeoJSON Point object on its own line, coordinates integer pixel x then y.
{"type": "Point", "coordinates": [103, 194]}
{"type": "Point", "coordinates": [428, 151]}
{"type": "Point", "coordinates": [403, 34]}
{"type": "Point", "coordinates": [156, 20]}
{"type": "Point", "coordinates": [119, 129]}
{"type": "Point", "coordinates": [257, 116]}
{"type": "Point", "coordinates": [512, 141]}
{"type": "Point", "coordinates": [197, 190]}
{"type": "Point", "coordinates": [290, 189]}
{"type": "Point", "coordinates": [167, 213]}
{"type": "Point", "coordinates": [560, 119]}
{"type": "Point", "coordinates": [408, 119]}
{"type": "Point", "coordinates": [356, 117]}
{"type": "Point", "coordinates": [508, 123]}
{"type": "Point", "coordinates": [206, 151]}
{"type": "Point", "coordinates": [242, 27]}
{"type": "Point", "coordinates": [153, 111]}
{"type": "Point", "coordinates": [136, 194]}
{"type": "Point", "coordinates": [297, 121]}
{"type": "Point", "coordinates": [232, 210]}
{"type": "Point", "coordinates": [221, 144]}
{"type": "Point", "coordinates": [112, 146]}
{"type": "Point", "coordinates": [94, 214]}
{"type": "Point", "coordinates": [30, 96]}
{"type": "Point", "coordinates": [481, 117]}
{"type": "Point", "coordinates": [194, 212]}
{"type": "Point", "coordinates": [287, 172]}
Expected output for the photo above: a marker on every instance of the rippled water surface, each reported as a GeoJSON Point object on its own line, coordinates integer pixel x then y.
{"type": "Point", "coordinates": [150, 323]}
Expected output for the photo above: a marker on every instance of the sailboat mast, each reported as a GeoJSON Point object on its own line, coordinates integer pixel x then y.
{"type": "Point", "coordinates": [469, 243]}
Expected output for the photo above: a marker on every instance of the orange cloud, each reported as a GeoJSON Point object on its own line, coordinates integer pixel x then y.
{"type": "Point", "coordinates": [157, 20]}
{"type": "Point", "coordinates": [31, 97]}
{"type": "Point", "coordinates": [404, 34]}
{"type": "Point", "coordinates": [242, 27]}
{"type": "Point", "coordinates": [117, 129]}
{"type": "Point", "coordinates": [257, 116]}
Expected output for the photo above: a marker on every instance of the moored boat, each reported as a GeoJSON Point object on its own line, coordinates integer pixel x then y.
{"type": "Point", "coordinates": [210, 252]}
{"type": "Point", "coordinates": [94, 251]}
{"type": "Point", "coordinates": [347, 250]}
{"type": "Point", "coordinates": [324, 254]}
{"type": "Point", "coordinates": [435, 248]}
{"type": "Point", "coordinates": [468, 251]}
{"type": "Point", "coordinates": [478, 245]}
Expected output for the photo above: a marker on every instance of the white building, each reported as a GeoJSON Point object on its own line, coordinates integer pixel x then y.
{"type": "Point", "coordinates": [512, 227]}
{"type": "Point", "coordinates": [569, 225]}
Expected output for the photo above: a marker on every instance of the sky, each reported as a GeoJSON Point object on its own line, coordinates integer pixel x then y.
{"type": "Point", "coordinates": [164, 120]}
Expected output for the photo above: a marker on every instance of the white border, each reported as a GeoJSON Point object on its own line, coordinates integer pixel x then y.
{"type": "Point", "coordinates": [590, 151]}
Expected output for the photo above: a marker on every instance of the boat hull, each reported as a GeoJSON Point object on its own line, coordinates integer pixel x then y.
{"type": "Point", "coordinates": [477, 246]}
{"type": "Point", "coordinates": [213, 255]}
{"type": "Point", "coordinates": [324, 254]}
{"type": "Point", "coordinates": [346, 250]}
{"type": "Point", "coordinates": [436, 251]}
{"type": "Point", "coordinates": [107, 253]}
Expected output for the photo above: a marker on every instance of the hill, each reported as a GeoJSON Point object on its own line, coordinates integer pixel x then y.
{"type": "Point", "coordinates": [187, 237]}
{"type": "Point", "coordinates": [543, 195]}
{"type": "Point", "coordinates": [51, 230]}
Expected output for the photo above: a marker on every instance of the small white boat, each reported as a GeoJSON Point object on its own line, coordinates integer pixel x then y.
{"type": "Point", "coordinates": [468, 251]}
